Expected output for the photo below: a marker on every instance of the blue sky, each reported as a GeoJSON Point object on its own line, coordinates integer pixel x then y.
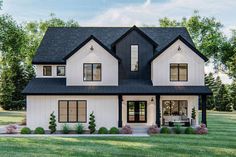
{"type": "Point", "coordinates": [122, 12]}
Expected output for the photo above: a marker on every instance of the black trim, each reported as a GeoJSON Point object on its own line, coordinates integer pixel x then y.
{"type": "Point", "coordinates": [85, 42]}
{"type": "Point", "coordinates": [186, 43]}
{"type": "Point", "coordinates": [120, 111]}
{"type": "Point", "coordinates": [158, 111]}
{"type": "Point", "coordinates": [140, 32]}
{"type": "Point", "coordinates": [46, 66]}
{"type": "Point", "coordinates": [77, 107]}
{"type": "Point", "coordinates": [136, 117]}
{"type": "Point", "coordinates": [178, 65]}
{"type": "Point", "coordinates": [92, 64]}
{"type": "Point", "coordinates": [64, 70]}
{"type": "Point", "coordinates": [204, 121]}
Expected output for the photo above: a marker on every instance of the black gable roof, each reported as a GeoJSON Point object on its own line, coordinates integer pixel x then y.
{"type": "Point", "coordinates": [58, 42]}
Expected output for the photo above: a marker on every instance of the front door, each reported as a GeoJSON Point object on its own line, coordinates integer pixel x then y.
{"type": "Point", "coordinates": [137, 111]}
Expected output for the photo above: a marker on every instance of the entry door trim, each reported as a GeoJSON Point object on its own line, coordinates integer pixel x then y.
{"type": "Point", "coordinates": [136, 109]}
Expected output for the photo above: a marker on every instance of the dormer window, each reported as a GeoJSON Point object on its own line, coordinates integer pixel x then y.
{"type": "Point", "coordinates": [47, 70]}
{"type": "Point", "coordinates": [134, 57]}
{"type": "Point", "coordinates": [61, 71]}
{"type": "Point", "coordinates": [178, 72]}
{"type": "Point", "coordinates": [92, 71]}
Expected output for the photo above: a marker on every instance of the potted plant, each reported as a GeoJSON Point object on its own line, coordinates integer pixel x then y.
{"type": "Point", "coordinates": [193, 116]}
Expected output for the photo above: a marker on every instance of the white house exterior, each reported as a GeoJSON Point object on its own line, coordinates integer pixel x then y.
{"type": "Point", "coordinates": [125, 76]}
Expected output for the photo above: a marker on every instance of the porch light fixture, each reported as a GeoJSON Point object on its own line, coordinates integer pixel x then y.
{"type": "Point", "coordinates": [179, 48]}
{"type": "Point", "coordinates": [91, 48]}
{"type": "Point", "coordinates": [152, 99]}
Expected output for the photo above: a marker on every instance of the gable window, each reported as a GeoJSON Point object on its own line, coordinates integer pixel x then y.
{"type": "Point", "coordinates": [72, 111]}
{"type": "Point", "coordinates": [178, 72]}
{"type": "Point", "coordinates": [134, 57]}
{"type": "Point", "coordinates": [92, 71]}
{"type": "Point", "coordinates": [47, 71]}
{"type": "Point", "coordinates": [61, 70]}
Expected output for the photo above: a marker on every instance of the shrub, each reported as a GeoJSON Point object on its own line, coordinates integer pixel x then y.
{"type": "Point", "coordinates": [79, 128]}
{"type": "Point", "coordinates": [65, 129]}
{"type": "Point", "coordinates": [25, 130]}
{"type": "Point", "coordinates": [39, 130]}
{"type": "Point", "coordinates": [126, 130]}
{"type": "Point", "coordinates": [102, 130]}
{"type": "Point", "coordinates": [11, 129]}
{"type": "Point", "coordinates": [92, 124]}
{"type": "Point", "coordinates": [114, 130]}
{"type": "Point", "coordinates": [189, 130]}
{"type": "Point", "coordinates": [165, 130]}
{"type": "Point", "coordinates": [177, 129]}
{"type": "Point", "coordinates": [202, 129]}
{"type": "Point", "coordinates": [193, 115]}
{"type": "Point", "coordinates": [52, 123]}
{"type": "Point", "coordinates": [153, 129]}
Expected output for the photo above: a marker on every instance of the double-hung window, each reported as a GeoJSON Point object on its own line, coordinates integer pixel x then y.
{"type": "Point", "coordinates": [47, 70]}
{"type": "Point", "coordinates": [61, 70]}
{"type": "Point", "coordinates": [92, 71]}
{"type": "Point", "coordinates": [178, 72]}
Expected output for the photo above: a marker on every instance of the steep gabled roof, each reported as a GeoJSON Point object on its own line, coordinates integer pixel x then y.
{"type": "Point", "coordinates": [134, 28]}
{"type": "Point", "coordinates": [186, 43]}
{"type": "Point", "coordinates": [85, 42]}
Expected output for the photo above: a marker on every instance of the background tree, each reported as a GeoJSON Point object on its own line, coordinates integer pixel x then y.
{"type": "Point", "coordinates": [210, 82]}
{"type": "Point", "coordinates": [233, 94]}
{"type": "Point", "coordinates": [222, 100]}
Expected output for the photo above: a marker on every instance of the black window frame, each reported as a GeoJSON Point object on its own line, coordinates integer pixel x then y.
{"type": "Point", "coordinates": [170, 107]}
{"type": "Point", "coordinates": [77, 116]}
{"type": "Point", "coordinates": [131, 57]}
{"type": "Point", "coordinates": [92, 73]}
{"type": "Point", "coordinates": [64, 70]}
{"type": "Point", "coordinates": [47, 66]}
{"type": "Point", "coordinates": [178, 67]}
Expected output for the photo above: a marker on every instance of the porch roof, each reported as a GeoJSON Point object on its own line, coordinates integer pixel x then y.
{"type": "Point", "coordinates": [57, 86]}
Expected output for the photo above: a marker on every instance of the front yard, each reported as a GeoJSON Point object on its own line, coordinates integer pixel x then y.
{"type": "Point", "coordinates": [221, 141]}
{"type": "Point", "coordinates": [11, 117]}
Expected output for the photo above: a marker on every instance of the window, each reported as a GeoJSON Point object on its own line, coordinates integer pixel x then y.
{"type": "Point", "coordinates": [178, 72]}
{"type": "Point", "coordinates": [47, 71]}
{"type": "Point", "coordinates": [72, 111]}
{"type": "Point", "coordinates": [92, 71]}
{"type": "Point", "coordinates": [60, 70]}
{"type": "Point", "coordinates": [175, 107]}
{"type": "Point", "coordinates": [134, 57]}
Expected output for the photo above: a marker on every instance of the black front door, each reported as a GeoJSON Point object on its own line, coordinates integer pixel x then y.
{"type": "Point", "coordinates": [137, 111]}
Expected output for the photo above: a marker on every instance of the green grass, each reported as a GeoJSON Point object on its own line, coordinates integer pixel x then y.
{"type": "Point", "coordinates": [221, 141]}
{"type": "Point", "coordinates": [11, 117]}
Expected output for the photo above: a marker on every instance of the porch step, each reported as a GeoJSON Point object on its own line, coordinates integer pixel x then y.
{"type": "Point", "coordinates": [139, 130]}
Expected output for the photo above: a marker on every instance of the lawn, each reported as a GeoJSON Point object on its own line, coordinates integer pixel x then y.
{"type": "Point", "coordinates": [11, 117]}
{"type": "Point", "coordinates": [221, 141]}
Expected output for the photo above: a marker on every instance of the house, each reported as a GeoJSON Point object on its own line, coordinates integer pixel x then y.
{"type": "Point", "coordinates": [138, 76]}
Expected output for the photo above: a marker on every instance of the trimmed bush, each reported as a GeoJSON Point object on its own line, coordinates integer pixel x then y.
{"type": "Point", "coordinates": [189, 130]}
{"type": "Point", "coordinates": [126, 130]}
{"type": "Point", "coordinates": [79, 128]}
{"type": "Point", "coordinates": [102, 130]}
{"type": "Point", "coordinates": [202, 129]}
{"type": "Point", "coordinates": [165, 130]}
{"type": "Point", "coordinates": [177, 129]}
{"type": "Point", "coordinates": [39, 130]}
{"type": "Point", "coordinates": [114, 130]}
{"type": "Point", "coordinates": [92, 123]}
{"type": "Point", "coordinates": [153, 129]}
{"type": "Point", "coordinates": [25, 130]}
{"type": "Point", "coordinates": [65, 129]}
{"type": "Point", "coordinates": [52, 123]}
{"type": "Point", "coordinates": [11, 129]}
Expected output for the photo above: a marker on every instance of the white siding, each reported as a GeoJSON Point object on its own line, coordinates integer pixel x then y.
{"type": "Point", "coordinates": [39, 71]}
{"type": "Point", "coordinates": [160, 67]}
{"type": "Point", "coordinates": [39, 109]}
{"type": "Point", "coordinates": [98, 55]}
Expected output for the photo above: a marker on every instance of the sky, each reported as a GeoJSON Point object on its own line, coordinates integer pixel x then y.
{"type": "Point", "coordinates": [123, 12]}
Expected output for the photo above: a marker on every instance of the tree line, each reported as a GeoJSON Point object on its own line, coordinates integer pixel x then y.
{"type": "Point", "coordinates": [19, 42]}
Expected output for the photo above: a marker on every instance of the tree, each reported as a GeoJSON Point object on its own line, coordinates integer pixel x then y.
{"type": "Point", "coordinates": [193, 116]}
{"type": "Point", "coordinates": [52, 123]}
{"type": "Point", "coordinates": [233, 94]}
{"type": "Point", "coordinates": [92, 125]}
{"type": "Point", "coordinates": [210, 82]}
{"type": "Point", "coordinates": [222, 100]}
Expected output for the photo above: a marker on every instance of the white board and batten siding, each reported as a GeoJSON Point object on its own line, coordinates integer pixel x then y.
{"type": "Point", "coordinates": [160, 66]}
{"type": "Point", "coordinates": [74, 66]}
{"type": "Point", "coordinates": [39, 108]}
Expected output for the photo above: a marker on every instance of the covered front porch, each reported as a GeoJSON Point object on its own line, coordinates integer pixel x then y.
{"type": "Point", "coordinates": [160, 110]}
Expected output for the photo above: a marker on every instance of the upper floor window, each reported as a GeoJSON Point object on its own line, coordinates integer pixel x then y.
{"type": "Point", "coordinates": [61, 70]}
{"type": "Point", "coordinates": [178, 72]}
{"type": "Point", "coordinates": [134, 57]}
{"type": "Point", "coordinates": [47, 70]}
{"type": "Point", "coordinates": [92, 71]}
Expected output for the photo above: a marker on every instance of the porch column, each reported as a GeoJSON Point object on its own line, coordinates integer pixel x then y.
{"type": "Point", "coordinates": [120, 111]}
{"type": "Point", "coordinates": [158, 113]}
{"type": "Point", "coordinates": [204, 109]}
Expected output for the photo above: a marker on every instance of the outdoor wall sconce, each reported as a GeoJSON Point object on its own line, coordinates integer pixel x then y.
{"type": "Point", "coordinates": [152, 99]}
{"type": "Point", "coordinates": [179, 48]}
{"type": "Point", "coordinates": [91, 48]}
